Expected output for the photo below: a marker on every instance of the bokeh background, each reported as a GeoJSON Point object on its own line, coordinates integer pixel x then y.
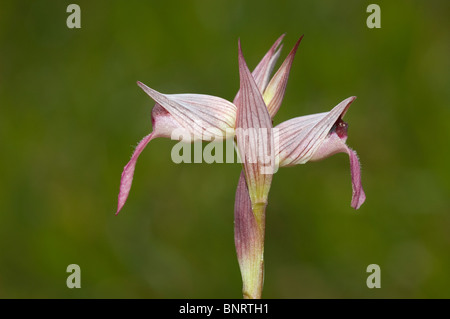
{"type": "Point", "coordinates": [71, 113]}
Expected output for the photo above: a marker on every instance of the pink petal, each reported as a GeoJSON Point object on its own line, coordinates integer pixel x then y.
{"type": "Point", "coordinates": [274, 92]}
{"type": "Point", "coordinates": [197, 113]}
{"type": "Point", "coordinates": [262, 72]}
{"type": "Point", "coordinates": [128, 172]}
{"type": "Point", "coordinates": [253, 118]}
{"type": "Point", "coordinates": [311, 138]}
{"type": "Point", "coordinates": [300, 137]}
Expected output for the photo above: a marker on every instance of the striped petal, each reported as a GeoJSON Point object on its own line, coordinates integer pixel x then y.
{"type": "Point", "coordinates": [274, 92]}
{"type": "Point", "coordinates": [262, 72]}
{"type": "Point", "coordinates": [197, 113]}
{"type": "Point", "coordinates": [318, 136]}
{"type": "Point", "coordinates": [203, 116]}
{"type": "Point", "coordinates": [300, 137]}
{"type": "Point", "coordinates": [254, 137]}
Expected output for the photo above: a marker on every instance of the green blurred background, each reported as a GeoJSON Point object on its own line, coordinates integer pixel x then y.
{"type": "Point", "coordinates": [71, 113]}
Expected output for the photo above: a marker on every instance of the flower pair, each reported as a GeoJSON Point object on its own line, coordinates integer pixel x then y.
{"type": "Point", "coordinates": [296, 141]}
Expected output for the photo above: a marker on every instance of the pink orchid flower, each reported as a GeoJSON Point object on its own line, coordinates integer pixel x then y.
{"type": "Point", "coordinates": [205, 115]}
{"type": "Point", "coordinates": [296, 141]}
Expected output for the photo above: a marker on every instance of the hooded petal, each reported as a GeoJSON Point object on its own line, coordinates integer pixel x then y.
{"type": "Point", "coordinates": [300, 137]}
{"type": "Point", "coordinates": [254, 137]}
{"type": "Point", "coordinates": [318, 136]}
{"type": "Point", "coordinates": [274, 92]}
{"type": "Point", "coordinates": [197, 113]}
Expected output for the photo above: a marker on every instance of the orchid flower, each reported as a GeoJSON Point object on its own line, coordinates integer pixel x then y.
{"type": "Point", "coordinates": [296, 141]}
{"type": "Point", "coordinates": [206, 115]}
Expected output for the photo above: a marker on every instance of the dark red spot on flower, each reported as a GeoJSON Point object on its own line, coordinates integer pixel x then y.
{"type": "Point", "coordinates": [341, 127]}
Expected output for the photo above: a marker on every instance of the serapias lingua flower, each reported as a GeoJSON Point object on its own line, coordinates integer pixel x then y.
{"type": "Point", "coordinates": [302, 139]}
{"type": "Point", "coordinates": [206, 115]}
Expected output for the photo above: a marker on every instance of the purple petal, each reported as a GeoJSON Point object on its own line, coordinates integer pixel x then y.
{"type": "Point", "coordinates": [128, 172]}
{"type": "Point", "coordinates": [274, 92]}
{"type": "Point", "coordinates": [252, 122]}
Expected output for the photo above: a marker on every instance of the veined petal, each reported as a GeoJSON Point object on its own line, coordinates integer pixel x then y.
{"type": "Point", "coordinates": [254, 137]}
{"type": "Point", "coordinates": [318, 136]}
{"type": "Point", "coordinates": [128, 171]}
{"type": "Point", "coordinates": [262, 72]}
{"type": "Point", "coordinates": [197, 113]}
{"type": "Point", "coordinates": [274, 92]}
{"type": "Point", "coordinates": [264, 69]}
{"type": "Point", "coordinates": [249, 242]}
{"type": "Point", "coordinates": [290, 133]}
{"type": "Point", "coordinates": [300, 137]}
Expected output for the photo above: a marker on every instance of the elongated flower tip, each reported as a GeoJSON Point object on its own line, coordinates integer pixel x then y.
{"type": "Point", "coordinates": [358, 195]}
{"type": "Point", "coordinates": [128, 172]}
{"type": "Point", "coordinates": [274, 92]}
{"type": "Point", "coordinates": [262, 72]}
